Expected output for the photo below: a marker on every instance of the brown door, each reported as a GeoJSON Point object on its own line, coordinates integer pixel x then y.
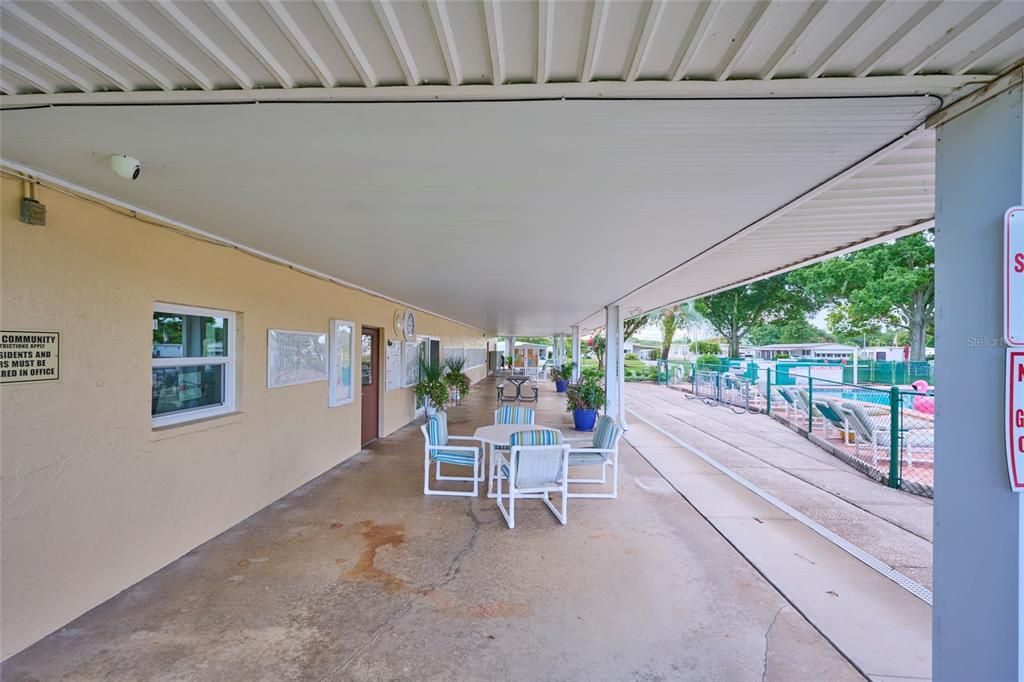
{"type": "Point", "coordinates": [371, 382]}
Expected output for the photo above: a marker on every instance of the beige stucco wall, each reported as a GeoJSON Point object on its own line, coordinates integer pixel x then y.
{"type": "Point", "coordinates": [93, 499]}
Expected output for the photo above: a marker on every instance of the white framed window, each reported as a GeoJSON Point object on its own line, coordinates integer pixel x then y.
{"type": "Point", "coordinates": [341, 378]}
{"type": "Point", "coordinates": [193, 363]}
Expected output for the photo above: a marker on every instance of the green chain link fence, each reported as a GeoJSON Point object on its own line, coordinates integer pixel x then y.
{"type": "Point", "coordinates": [887, 432]}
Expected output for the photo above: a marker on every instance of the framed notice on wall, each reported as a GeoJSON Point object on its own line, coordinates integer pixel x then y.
{"type": "Point", "coordinates": [295, 357]}
{"type": "Point", "coordinates": [27, 356]}
{"type": "Point", "coordinates": [341, 379]}
{"type": "Point", "coordinates": [393, 365]}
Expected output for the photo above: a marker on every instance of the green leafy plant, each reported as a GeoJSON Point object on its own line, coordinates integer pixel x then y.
{"type": "Point", "coordinates": [712, 362]}
{"type": "Point", "coordinates": [431, 387]}
{"type": "Point", "coordinates": [454, 377]}
{"type": "Point", "coordinates": [563, 373]}
{"type": "Point", "coordinates": [588, 394]}
{"type": "Point", "coordinates": [704, 347]}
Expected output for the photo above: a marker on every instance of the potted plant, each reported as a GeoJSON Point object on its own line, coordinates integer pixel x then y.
{"type": "Point", "coordinates": [584, 399]}
{"type": "Point", "coordinates": [431, 388]}
{"type": "Point", "coordinates": [455, 379]}
{"type": "Point", "coordinates": [561, 376]}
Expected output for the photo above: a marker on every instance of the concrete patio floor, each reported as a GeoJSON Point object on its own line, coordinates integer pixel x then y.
{"type": "Point", "coordinates": [357, 575]}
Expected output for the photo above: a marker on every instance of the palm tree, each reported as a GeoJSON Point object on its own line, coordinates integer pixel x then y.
{"type": "Point", "coordinates": [671, 319]}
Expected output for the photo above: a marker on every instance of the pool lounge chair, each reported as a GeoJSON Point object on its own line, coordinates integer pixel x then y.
{"type": "Point", "coordinates": [791, 408]}
{"type": "Point", "coordinates": [834, 417]}
{"type": "Point", "coordinates": [867, 429]}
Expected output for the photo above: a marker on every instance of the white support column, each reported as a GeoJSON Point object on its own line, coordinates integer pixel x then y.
{"type": "Point", "coordinates": [576, 354]}
{"type": "Point", "coordinates": [979, 522]}
{"type": "Point", "coordinates": [613, 382]}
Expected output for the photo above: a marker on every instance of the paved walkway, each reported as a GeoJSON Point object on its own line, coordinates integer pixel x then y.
{"type": "Point", "coordinates": [893, 525]}
{"type": "Point", "coordinates": [726, 465]}
{"type": "Point", "coordinates": [358, 576]}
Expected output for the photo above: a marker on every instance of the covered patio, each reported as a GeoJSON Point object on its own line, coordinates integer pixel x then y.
{"type": "Point", "coordinates": [231, 231]}
{"type": "Point", "coordinates": [357, 575]}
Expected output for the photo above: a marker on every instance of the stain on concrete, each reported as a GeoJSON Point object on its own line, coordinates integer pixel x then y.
{"type": "Point", "coordinates": [499, 609]}
{"type": "Point", "coordinates": [391, 535]}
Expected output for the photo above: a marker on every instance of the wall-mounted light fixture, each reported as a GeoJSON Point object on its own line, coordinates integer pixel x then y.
{"type": "Point", "coordinates": [32, 211]}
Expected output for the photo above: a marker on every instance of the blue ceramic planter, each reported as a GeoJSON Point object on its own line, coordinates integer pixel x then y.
{"type": "Point", "coordinates": [561, 385]}
{"type": "Point", "coordinates": [584, 419]}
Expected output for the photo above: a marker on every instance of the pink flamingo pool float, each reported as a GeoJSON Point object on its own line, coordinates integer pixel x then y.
{"type": "Point", "coordinates": [923, 403]}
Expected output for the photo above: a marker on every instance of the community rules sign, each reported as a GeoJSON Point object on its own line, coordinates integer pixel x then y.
{"type": "Point", "coordinates": [29, 356]}
{"type": "Point", "coordinates": [1015, 417]}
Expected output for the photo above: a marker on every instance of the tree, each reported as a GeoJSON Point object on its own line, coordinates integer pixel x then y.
{"type": "Point", "coordinates": [598, 344]}
{"type": "Point", "coordinates": [633, 325]}
{"type": "Point", "coordinates": [888, 286]}
{"type": "Point", "coordinates": [797, 330]}
{"type": "Point", "coordinates": [671, 319]}
{"type": "Point", "coordinates": [735, 312]}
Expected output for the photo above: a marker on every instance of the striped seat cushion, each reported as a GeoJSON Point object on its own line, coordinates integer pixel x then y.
{"type": "Point", "coordinates": [537, 467]}
{"type": "Point", "coordinates": [536, 437]}
{"type": "Point", "coordinates": [437, 429]}
{"type": "Point", "coordinates": [452, 457]}
{"type": "Point", "coordinates": [606, 433]}
{"type": "Point", "coordinates": [513, 414]}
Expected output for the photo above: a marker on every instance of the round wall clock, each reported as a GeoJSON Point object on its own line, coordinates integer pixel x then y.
{"type": "Point", "coordinates": [399, 323]}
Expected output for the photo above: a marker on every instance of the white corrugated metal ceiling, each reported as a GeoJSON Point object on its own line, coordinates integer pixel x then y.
{"type": "Point", "coordinates": [551, 209]}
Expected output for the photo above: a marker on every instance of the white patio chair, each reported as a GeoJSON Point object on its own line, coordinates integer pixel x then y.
{"type": "Point", "coordinates": [438, 450]}
{"type": "Point", "coordinates": [537, 464]}
{"type": "Point", "coordinates": [514, 414]}
{"type": "Point", "coordinates": [603, 451]}
{"type": "Point", "coordinates": [506, 414]}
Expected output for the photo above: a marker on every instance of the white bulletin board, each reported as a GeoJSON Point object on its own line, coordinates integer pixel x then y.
{"type": "Point", "coordinates": [295, 357]}
{"type": "Point", "coordinates": [393, 365]}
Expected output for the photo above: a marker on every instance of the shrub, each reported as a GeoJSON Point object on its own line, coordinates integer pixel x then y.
{"type": "Point", "coordinates": [704, 348]}
{"type": "Point", "coordinates": [632, 356]}
{"type": "Point", "coordinates": [563, 373]}
{"type": "Point", "coordinates": [712, 362]}
{"type": "Point", "coordinates": [588, 394]}
{"type": "Point", "coordinates": [431, 386]}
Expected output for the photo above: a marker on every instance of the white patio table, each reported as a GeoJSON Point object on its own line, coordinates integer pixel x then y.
{"type": "Point", "coordinates": [499, 434]}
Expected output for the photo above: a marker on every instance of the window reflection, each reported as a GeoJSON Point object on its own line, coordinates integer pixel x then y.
{"type": "Point", "coordinates": [367, 347]}
{"type": "Point", "coordinates": [188, 336]}
{"type": "Point", "coordinates": [187, 388]}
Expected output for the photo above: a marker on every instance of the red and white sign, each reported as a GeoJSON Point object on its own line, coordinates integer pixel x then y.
{"type": "Point", "coordinates": [1015, 417]}
{"type": "Point", "coordinates": [1013, 277]}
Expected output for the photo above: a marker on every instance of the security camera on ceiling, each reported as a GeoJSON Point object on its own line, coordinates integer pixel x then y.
{"type": "Point", "coordinates": [125, 166]}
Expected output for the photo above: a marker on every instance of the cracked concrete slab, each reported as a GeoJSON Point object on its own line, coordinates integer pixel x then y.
{"type": "Point", "coordinates": [358, 576]}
